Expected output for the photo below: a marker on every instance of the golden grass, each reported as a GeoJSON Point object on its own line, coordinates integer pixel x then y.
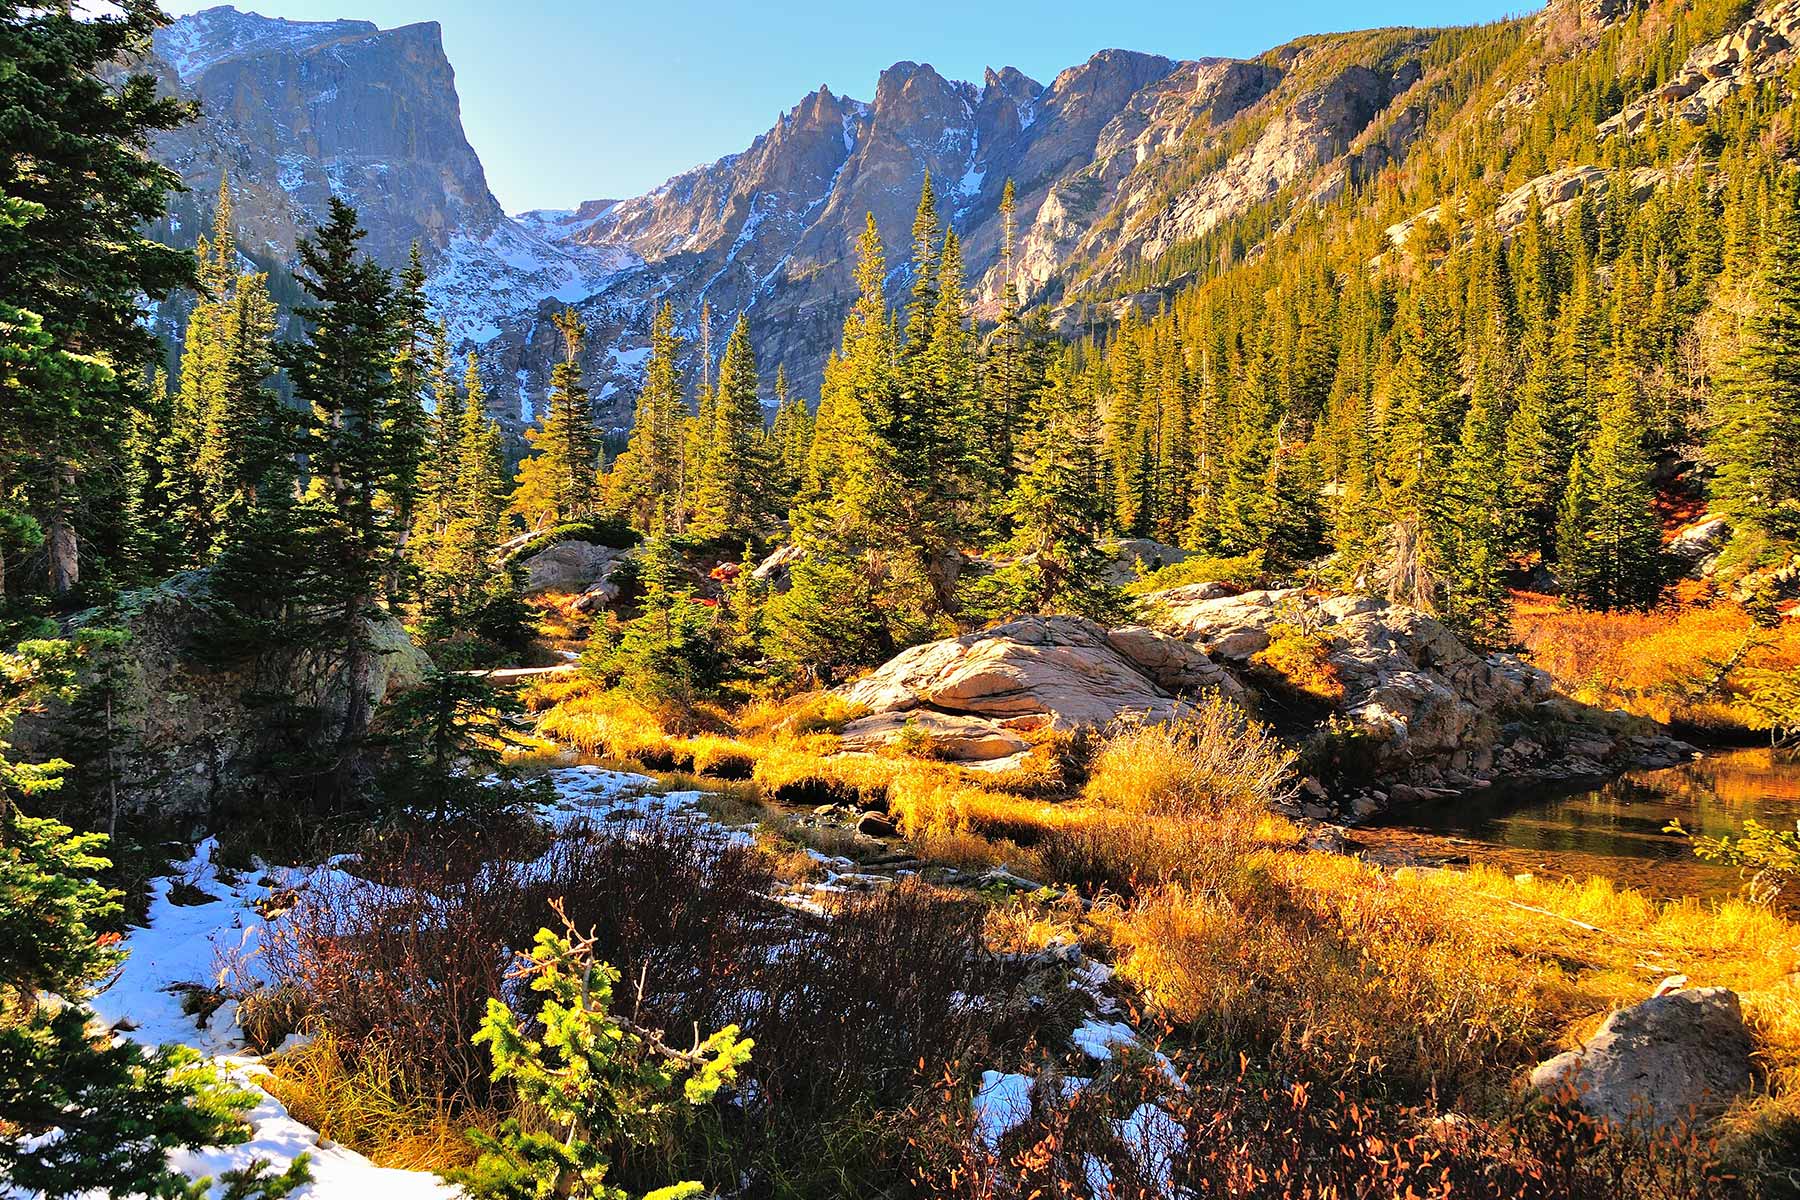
{"type": "Point", "coordinates": [373, 1107]}
{"type": "Point", "coordinates": [1657, 664]}
{"type": "Point", "coordinates": [1450, 983]}
{"type": "Point", "coordinates": [1198, 767]}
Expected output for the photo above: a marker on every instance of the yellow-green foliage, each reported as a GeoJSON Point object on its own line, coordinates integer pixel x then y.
{"type": "Point", "coordinates": [1215, 760]}
{"type": "Point", "coordinates": [1300, 661]}
{"type": "Point", "coordinates": [1244, 571]}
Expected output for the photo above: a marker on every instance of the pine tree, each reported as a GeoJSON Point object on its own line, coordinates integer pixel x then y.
{"type": "Point", "coordinates": [343, 373]}
{"type": "Point", "coordinates": [407, 431]}
{"type": "Point", "coordinates": [729, 495]}
{"type": "Point", "coordinates": [646, 480]}
{"type": "Point", "coordinates": [77, 194]}
{"type": "Point", "coordinates": [1472, 514]}
{"type": "Point", "coordinates": [1755, 445]}
{"type": "Point", "coordinates": [1058, 509]}
{"type": "Point", "coordinates": [559, 481]}
{"type": "Point", "coordinates": [1609, 544]}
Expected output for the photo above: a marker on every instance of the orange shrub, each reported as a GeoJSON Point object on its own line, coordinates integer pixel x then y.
{"type": "Point", "coordinates": [1663, 664]}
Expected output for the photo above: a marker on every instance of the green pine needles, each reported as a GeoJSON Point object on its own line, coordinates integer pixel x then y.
{"type": "Point", "coordinates": [590, 1080]}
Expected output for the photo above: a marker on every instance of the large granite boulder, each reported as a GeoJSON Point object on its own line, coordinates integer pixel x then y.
{"type": "Point", "coordinates": [1426, 708]}
{"type": "Point", "coordinates": [189, 721]}
{"type": "Point", "coordinates": [1697, 547]}
{"type": "Point", "coordinates": [1677, 1058]}
{"type": "Point", "coordinates": [1034, 673]}
{"type": "Point", "coordinates": [571, 566]}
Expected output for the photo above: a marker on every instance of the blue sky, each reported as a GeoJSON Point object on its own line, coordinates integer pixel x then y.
{"type": "Point", "coordinates": [568, 100]}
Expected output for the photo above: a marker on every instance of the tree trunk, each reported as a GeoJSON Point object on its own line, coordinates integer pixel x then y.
{"type": "Point", "coordinates": [61, 546]}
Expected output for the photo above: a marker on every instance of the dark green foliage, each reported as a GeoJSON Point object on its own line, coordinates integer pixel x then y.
{"type": "Point", "coordinates": [672, 649]}
{"type": "Point", "coordinates": [119, 1110]}
{"type": "Point", "coordinates": [1756, 431]}
{"type": "Point", "coordinates": [446, 739]}
{"type": "Point", "coordinates": [77, 190]}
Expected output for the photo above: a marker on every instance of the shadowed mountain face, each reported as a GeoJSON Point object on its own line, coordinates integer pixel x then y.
{"type": "Point", "coordinates": [1120, 163]}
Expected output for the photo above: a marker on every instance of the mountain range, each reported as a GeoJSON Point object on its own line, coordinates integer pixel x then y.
{"type": "Point", "coordinates": [1122, 164]}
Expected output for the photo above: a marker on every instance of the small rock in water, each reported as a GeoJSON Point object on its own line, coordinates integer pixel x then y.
{"type": "Point", "coordinates": [876, 824]}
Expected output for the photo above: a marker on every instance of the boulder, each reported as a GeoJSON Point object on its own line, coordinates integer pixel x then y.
{"type": "Point", "coordinates": [1133, 558]}
{"type": "Point", "coordinates": [777, 569]}
{"type": "Point", "coordinates": [1677, 1057]}
{"type": "Point", "coordinates": [569, 566]}
{"type": "Point", "coordinates": [1697, 546]}
{"type": "Point", "coordinates": [946, 735]}
{"type": "Point", "coordinates": [190, 727]}
{"type": "Point", "coordinates": [1430, 710]}
{"type": "Point", "coordinates": [1035, 672]}
{"type": "Point", "coordinates": [602, 593]}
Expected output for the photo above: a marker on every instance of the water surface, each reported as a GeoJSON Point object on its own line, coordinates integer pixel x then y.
{"type": "Point", "coordinates": [1615, 829]}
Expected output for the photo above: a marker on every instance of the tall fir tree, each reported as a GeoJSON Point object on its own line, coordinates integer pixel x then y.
{"type": "Point", "coordinates": [559, 480]}
{"type": "Point", "coordinates": [343, 373]}
{"type": "Point", "coordinates": [730, 495]}
{"type": "Point", "coordinates": [1755, 443]}
{"type": "Point", "coordinates": [645, 482]}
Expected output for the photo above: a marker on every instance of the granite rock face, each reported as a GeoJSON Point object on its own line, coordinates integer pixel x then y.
{"type": "Point", "coordinates": [190, 726]}
{"type": "Point", "coordinates": [1424, 711]}
{"type": "Point", "coordinates": [1056, 673]}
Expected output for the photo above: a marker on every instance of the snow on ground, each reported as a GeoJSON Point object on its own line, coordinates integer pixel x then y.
{"type": "Point", "coordinates": [189, 944]}
{"type": "Point", "coordinates": [186, 944]}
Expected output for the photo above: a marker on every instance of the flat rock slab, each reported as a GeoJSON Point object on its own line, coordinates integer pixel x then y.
{"type": "Point", "coordinates": [1043, 672]}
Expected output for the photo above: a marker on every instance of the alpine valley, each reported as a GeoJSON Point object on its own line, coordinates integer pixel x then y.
{"type": "Point", "coordinates": [1122, 166]}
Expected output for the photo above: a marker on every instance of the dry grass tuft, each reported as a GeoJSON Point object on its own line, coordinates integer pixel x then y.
{"type": "Point", "coordinates": [1212, 762]}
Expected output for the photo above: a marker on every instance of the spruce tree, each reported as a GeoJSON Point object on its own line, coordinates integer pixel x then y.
{"type": "Point", "coordinates": [559, 480]}
{"type": "Point", "coordinates": [1058, 510]}
{"type": "Point", "coordinates": [732, 484]}
{"type": "Point", "coordinates": [1755, 444]}
{"type": "Point", "coordinates": [343, 373]}
{"type": "Point", "coordinates": [646, 480]}
{"type": "Point", "coordinates": [78, 190]}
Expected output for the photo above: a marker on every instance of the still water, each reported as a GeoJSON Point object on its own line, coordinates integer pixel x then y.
{"type": "Point", "coordinates": [1615, 829]}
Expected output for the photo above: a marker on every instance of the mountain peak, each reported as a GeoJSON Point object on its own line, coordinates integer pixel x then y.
{"type": "Point", "coordinates": [199, 41]}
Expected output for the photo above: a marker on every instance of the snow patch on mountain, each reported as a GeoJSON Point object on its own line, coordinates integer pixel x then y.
{"type": "Point", "coordinates": [202, 41]}
{"type": "Point", "coordinates": [483, 282]}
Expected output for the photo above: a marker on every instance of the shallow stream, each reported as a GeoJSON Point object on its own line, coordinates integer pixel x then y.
{"type": "Point", "coordinates": [1615, 829]}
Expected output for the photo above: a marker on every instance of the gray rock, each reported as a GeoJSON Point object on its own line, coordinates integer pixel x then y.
{"type": "Point", "coordinates": [946, 735]}
{"type": "Point", "coordinates": [1697, 547]}
{"type": "Point", "coordinates": [1677, 1057]}
{"type": "Point", "coordinates": [570, 567]}
{"type": "Point", "coordinates": [189, 728]}
{"type": "Point", "coordinates": [1035, 672]}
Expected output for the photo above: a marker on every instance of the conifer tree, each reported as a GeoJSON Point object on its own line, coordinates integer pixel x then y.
{"type": "Point", "coordinates": [1755, 444]}
{"type": "Point", "coordinates": [559, 480]}
{"type": "Point", "coordinates": [646, 480]}
{"type": "Point", "coordinates": [1472, 514]}
{"type": "Point", "coordinates": [77, 193]}
{"type": "Point", "coordinates": [1609, 544]}
{"type": "Point", "coordinates": [1058, 510]}
{"type": "Point", "coordinates": [343, 373]}
{"type": "Point", "coordinates": [732, 483]}
{"type": "Point", "coordinates": [407, 430]}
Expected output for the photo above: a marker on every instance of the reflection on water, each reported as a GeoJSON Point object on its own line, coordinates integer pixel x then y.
{"type": "Point", "coordinates": [1614, 830]}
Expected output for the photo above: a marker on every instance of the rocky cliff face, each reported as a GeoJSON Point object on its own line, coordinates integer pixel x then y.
{"type": "Point", "coordinates": [297, 111]}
